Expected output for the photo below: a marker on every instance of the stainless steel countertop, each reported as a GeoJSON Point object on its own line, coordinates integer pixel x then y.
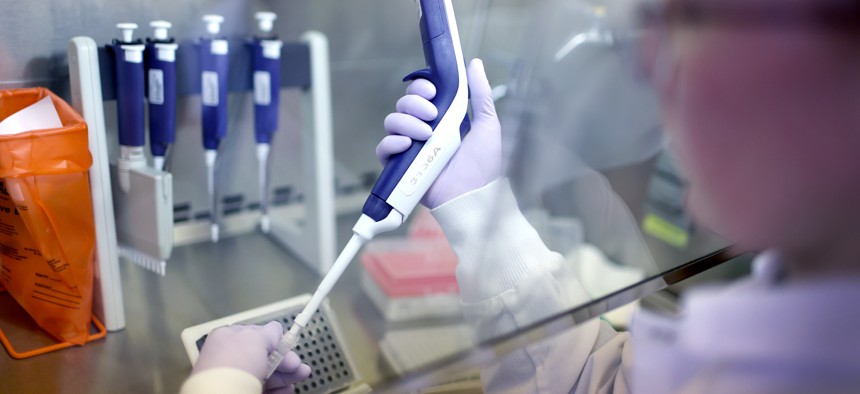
{"type": "Point", "coordinates": [204, 282]}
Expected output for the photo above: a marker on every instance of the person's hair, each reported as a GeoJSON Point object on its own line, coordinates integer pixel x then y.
{"type": "Point", "coordinates": [839, 16]}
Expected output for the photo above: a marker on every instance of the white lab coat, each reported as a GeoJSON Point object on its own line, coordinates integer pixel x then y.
{"type": "Point", "coordinates": [224, 380]}
{"type": "Point", "coordinates": [756, 336]}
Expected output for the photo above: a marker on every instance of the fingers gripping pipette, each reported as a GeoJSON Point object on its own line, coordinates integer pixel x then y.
{"type": "Point", "coordinates": [408, 175]}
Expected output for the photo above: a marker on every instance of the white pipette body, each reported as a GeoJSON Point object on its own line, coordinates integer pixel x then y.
{"type": "Point", "coordinates": [408, 175]}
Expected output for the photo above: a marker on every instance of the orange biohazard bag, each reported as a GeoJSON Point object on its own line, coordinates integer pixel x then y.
{"type": "Point", "coordinates": [47, 230]}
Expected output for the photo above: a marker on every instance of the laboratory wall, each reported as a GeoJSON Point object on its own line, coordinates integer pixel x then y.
{"type": "Point", "coordinates": [373, 44]}
{"type": "Point", "coordinates": [582, 146]}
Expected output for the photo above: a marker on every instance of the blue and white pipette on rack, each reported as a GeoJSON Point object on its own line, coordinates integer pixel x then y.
{"type": "Point", "coordinates": [267, 86]}
{"type": "Point", "coordinates": [161, 77]}
{"type": "Point", "coordinates": [213, 95]}
{"type": "Point", "coordinates": [408, 175]}
{"type": "Point", "coordinates": [128, 58]}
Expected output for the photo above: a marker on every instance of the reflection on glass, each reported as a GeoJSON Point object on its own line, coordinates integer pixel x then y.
{"type": "Point", "coordinates": [590, 205]}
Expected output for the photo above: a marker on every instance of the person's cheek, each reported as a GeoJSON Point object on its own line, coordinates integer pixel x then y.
{"type": "Point", "coordinates": [707, 135]}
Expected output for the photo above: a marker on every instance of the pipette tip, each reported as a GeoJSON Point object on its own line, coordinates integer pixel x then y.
{"type": "Point", "coordinates": [287, 343]}
{"type": "Point", "coordinates": [158, 163]}
{"type": "Point", "coordinates": [265, 224]}
{"type": "Point", "coordinates": [214, 232]}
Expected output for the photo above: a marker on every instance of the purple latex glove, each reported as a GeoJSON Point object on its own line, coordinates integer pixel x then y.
{"type": "Point", "coordinates": [247, 348]}
{"type": "Point", "coordinates": [479, 159]}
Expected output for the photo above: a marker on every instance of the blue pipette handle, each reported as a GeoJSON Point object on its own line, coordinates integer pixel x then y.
{"type": "Point", "coordinates": [161, 92]}
{"type": "Point", "coordinates": [267, 84]}
{"type": "Point", "coordinates": [442, 71]}
{"type": "Point", "coordinates": [129, 95]}
{"type": "Point", "coordinates": [213, 91]}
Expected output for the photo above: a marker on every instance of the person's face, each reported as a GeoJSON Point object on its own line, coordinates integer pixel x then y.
{"type": "Point", "coordinates": [766, 124]}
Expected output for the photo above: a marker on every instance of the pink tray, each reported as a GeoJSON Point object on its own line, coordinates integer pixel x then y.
{"type": "Point", "coordinates": [411, 267]}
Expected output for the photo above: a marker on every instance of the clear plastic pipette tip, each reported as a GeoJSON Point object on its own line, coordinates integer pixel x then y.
{"type": "Point", "coordinates": [288, 342]}
{"type": "Point", "coordinates": [290, 338]}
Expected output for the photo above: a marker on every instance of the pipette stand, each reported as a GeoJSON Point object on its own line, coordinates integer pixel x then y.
{"type": "Point", "coordinates": [307, 229]}
{"type": "Point", "coordinates": [145, 216]}
{"type": "Point", "coordinates": [312, 236]}
{"type": "Point", "coordinates": [87, 100]}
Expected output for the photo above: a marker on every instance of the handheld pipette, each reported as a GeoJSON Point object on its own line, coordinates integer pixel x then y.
{"type": "Point", "coordinates": [128, 56]}
{"type": "Point", "coordinates": [408, 175]}
{"type": "Point", "coordinates": [161, 78]}
{"type": "Point", "coordinates": [213, 96]}
{"type": "Point", "coordinates": [267, 86]}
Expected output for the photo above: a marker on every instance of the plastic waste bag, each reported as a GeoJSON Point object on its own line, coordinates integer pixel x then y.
{"type": "Point", "coordinates": [47, 230]}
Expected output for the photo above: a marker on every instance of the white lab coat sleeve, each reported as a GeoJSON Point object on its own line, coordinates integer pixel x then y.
{"type": "Point", "coordinates": [508, 279]}
{"type": "Point", "coordinates": [222, 380]}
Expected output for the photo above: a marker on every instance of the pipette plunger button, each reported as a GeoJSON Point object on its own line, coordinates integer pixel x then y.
{"type": "Point", "coordinates": [127, 30]}
{"type": "Point", "coordinates": [213, 23]}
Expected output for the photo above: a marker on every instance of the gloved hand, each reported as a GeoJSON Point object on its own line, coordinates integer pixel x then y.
{"type": "Point", "coordinates": [477, 162]}
{"type": "Point", "coordinates": [247, 348]}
